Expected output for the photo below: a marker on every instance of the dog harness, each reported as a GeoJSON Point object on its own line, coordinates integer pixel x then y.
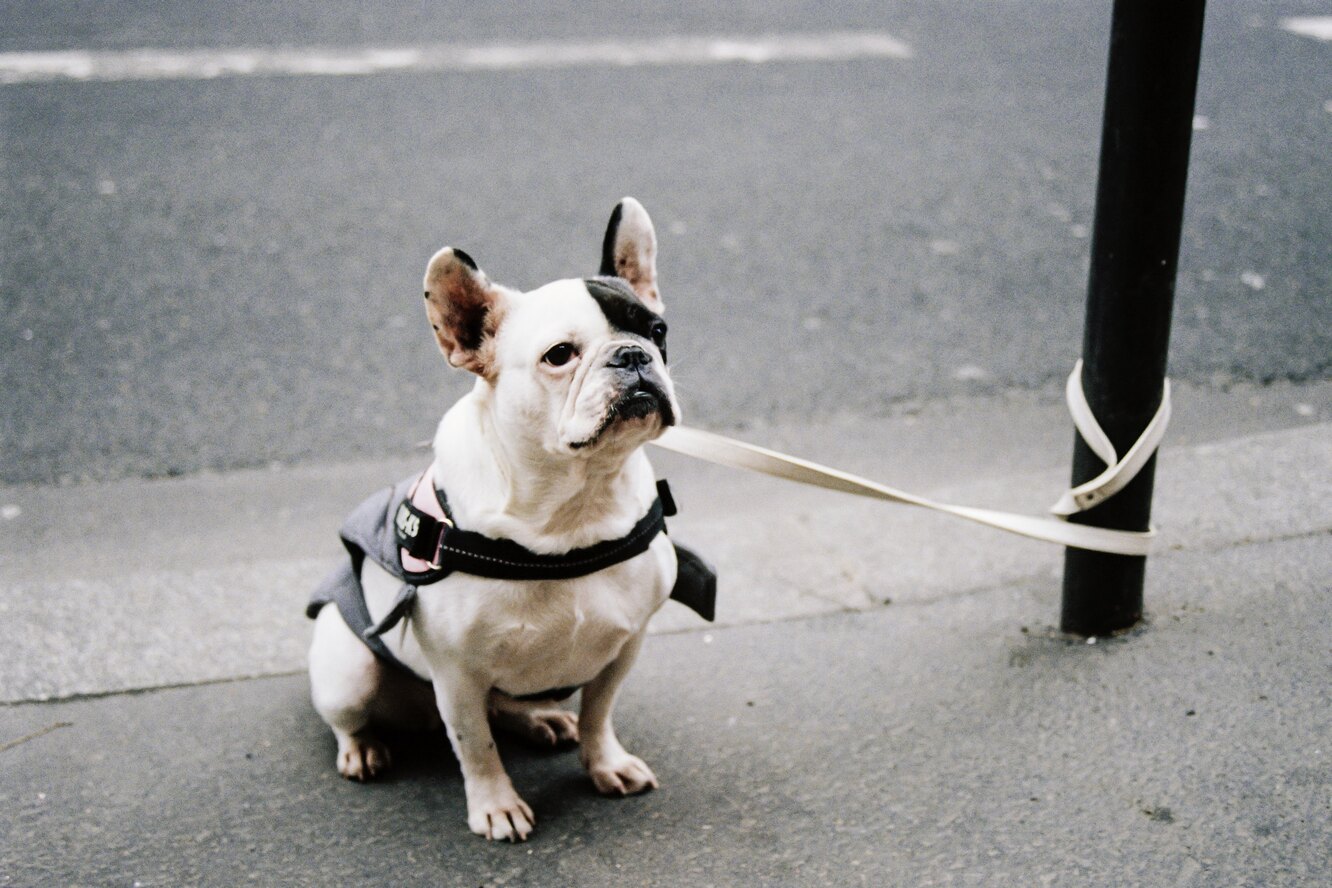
{"type": "Point", "coordinates": [408, 530]}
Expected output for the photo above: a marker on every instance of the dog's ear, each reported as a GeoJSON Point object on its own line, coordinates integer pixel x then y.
{"type": "Point", "coordinates": [464, 309]}
{"type": "Point", "coordinates": [629, 251]}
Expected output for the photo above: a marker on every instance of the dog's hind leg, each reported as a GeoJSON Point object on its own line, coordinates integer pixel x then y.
{"type": "Point", "coordinates": [354, 692]}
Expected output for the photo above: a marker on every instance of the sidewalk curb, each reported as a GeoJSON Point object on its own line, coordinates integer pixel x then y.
{"type": "Point", "coordinates": [220, 594]}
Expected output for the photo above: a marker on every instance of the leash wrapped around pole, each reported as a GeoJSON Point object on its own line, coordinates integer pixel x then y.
{"type": "Point", "coordinates": [1118, 472]}
{"type": "Point", "coordinates": [721, 450]}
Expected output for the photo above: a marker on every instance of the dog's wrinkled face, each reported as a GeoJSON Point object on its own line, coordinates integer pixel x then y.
{"type": "Point", "coordinates": [575, 367]}
{"type": "Point", "coordinates": [583, 361]}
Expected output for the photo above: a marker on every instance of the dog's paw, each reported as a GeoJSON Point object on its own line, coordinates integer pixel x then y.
{"type": "Point", "coordinates": [362, 758]}
{"type": "Point", "coordinates": [500, 815]}
{"type": "Point", "coordinates": [542, 723]}
{"type": "Point", "coordinates": [543, 727]}
{"type": "Point", "coordinates": [621, 774]}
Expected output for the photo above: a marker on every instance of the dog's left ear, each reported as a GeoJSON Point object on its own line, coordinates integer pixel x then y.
{"type": "Point", "coordinates": [629, 251]}
{"type": "Point", "coordinates": [464, 309]}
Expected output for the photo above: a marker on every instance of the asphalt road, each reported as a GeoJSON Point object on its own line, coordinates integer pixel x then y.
{"type": "Point", "coordinates": [213, 274]}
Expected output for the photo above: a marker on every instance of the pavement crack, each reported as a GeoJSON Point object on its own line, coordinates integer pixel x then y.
{"type": "Point", "coordinates": [81, 696]}
{"type": "Point", "coordinates": [34, 735]}
{"type": "Point", "coordinates": [1242, 542]}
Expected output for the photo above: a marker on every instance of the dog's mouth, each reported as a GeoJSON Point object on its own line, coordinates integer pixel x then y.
{"type": "Point", "coordinates": [636, 405]}
{"type": "Point", "coordinates": [639, 402]}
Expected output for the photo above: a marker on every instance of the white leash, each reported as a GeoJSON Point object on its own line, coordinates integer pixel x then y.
{"type": "Point", "coordinates": [1118, 473]}
{"type": "Point", "coordinates": [737, 454]}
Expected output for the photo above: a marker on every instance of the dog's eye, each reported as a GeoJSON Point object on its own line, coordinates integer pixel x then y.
{"type": "Point", "coordinates": [559, 355]}
{"type": "Point", "coordinates": [658, 332]}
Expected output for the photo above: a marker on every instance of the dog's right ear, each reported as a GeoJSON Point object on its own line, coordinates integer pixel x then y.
{"type": "Point", "coordinates": [463, 307]}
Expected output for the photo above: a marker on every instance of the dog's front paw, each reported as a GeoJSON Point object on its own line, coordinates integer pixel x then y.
{"type": "Point", "coordinates": [361, 757]}
{"type": "Point", "coordinates": [499, 813]}
{"type": "Point", "coordinates": [620, 774]}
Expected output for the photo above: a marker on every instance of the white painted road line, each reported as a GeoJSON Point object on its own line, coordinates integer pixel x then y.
{"type": "Point", "coordinates": [1318, 27]}
{"type": "Point", "coordinates": [207, 64]}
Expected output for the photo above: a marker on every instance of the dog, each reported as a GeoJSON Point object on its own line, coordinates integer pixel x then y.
{"type": "Point", "coordinates": [540, 464]}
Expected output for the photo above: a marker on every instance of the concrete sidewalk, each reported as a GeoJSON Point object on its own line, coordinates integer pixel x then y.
{"type": "Point", "coordinates": [820, 735]}
{"type": "Point", "coordinates": [944, 743]}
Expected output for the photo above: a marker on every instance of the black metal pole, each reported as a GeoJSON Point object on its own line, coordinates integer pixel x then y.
{"type": "Point", "coordinates": [1150, 85]}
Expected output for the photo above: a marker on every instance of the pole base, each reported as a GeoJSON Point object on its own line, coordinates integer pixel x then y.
{"type": "Point", "coordinates": [1102, 593]}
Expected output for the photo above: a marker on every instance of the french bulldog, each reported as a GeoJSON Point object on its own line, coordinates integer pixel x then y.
{"type": "Point", "coordinates": [545, 451]}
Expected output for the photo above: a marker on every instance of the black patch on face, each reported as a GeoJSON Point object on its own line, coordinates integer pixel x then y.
{"type": "Point", "coordinates": [608, 244]}
{"type": "Point", "coordinates": [625, 310]}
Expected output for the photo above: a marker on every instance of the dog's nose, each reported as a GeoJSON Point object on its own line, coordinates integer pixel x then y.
{"type": "Point", "coordinates": [629, 357]}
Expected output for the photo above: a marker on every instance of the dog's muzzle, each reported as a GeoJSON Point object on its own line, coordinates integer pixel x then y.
{"type": "Point", "coordinates": [642, 392]}
{"type": "Point", "coordinates": [639, 392]}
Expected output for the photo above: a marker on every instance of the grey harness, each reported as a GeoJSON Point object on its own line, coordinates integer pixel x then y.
{"type": "Point", "coordinates": [387, 524]}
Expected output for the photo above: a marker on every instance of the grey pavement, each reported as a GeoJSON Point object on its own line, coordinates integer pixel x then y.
{"type": "Point", "coordinates": [222, 274]}
{"type": "Point", "coordinates": [884, 700]}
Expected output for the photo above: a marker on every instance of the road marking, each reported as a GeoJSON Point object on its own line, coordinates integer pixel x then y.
{"type": "Point", "coordinates": [207, 64]}
{"type": "Point", "coordinates": [1318, 27]}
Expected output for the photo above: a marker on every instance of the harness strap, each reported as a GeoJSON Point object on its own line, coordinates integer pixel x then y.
{"type": "Point", "coordinates": [483, 556]}
{"type": "Point", "coordinates": [343, 590]}
{"type": "Point", "coordinates": [452, 549]}
{"type": "Point", "coordinates": [464, 551]}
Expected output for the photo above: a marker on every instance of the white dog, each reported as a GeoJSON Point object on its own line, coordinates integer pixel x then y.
{"type": "Point", "coordinates": [526, 561]}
